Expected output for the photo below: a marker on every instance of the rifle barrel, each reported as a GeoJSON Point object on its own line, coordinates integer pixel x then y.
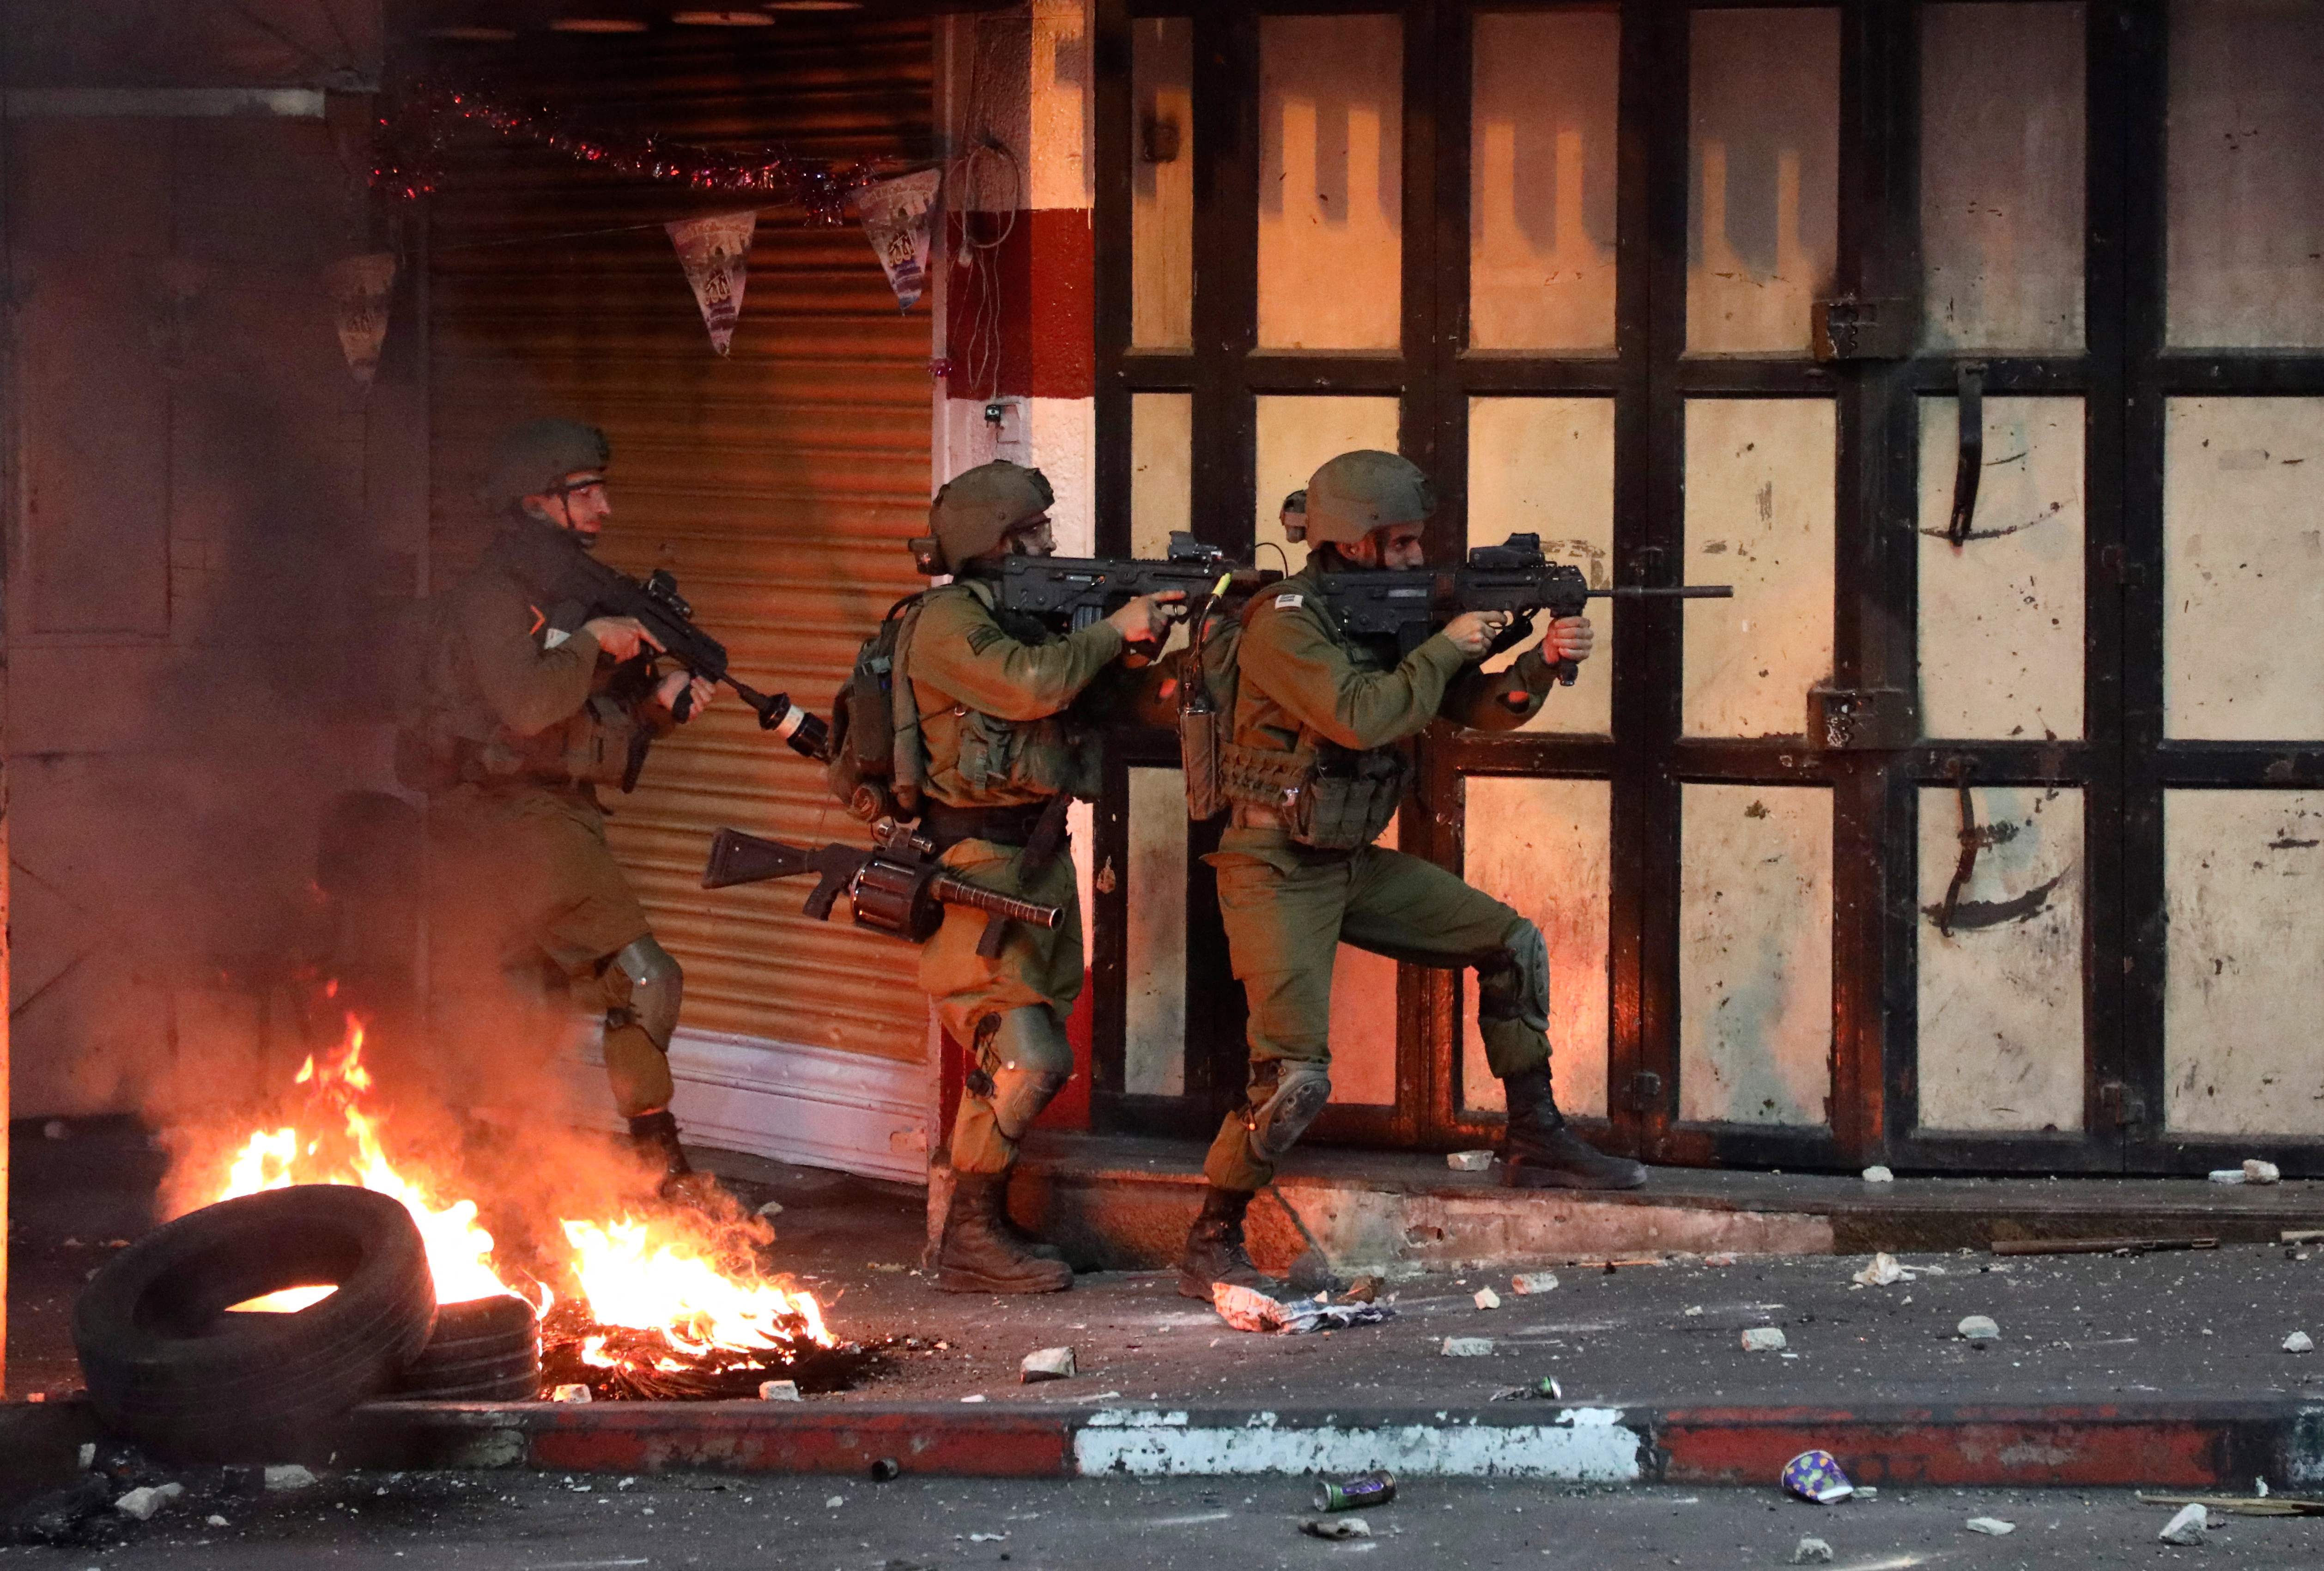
{"type": "Point", "coordinates": [960, 892]}
{"type": "Point", "coordinates": [1682, 592]}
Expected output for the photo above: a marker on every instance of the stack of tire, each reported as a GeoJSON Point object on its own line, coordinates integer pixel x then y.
{"type": "Point", "coordinates": [170, 1364]}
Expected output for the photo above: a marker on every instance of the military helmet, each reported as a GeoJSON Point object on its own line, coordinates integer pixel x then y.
{"type": "Point", "coordinates": [533, 459]}
{"type": "Point", "coordinates": [975, 509]}
{"type": "Point", "coordinates": [1356, 492]}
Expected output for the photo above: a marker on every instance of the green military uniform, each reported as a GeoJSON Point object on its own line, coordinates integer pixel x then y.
{"type": "Point", "coordinates": [1309, 695]}
{"type": "Point", "coordinates": [1315, 772]}
{"type": "Point", "coordinates": [993, 703]}
{"type": "Point", "coordinates": [522, 874]}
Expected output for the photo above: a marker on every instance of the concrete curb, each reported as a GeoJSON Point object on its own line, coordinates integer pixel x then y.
{"type": "Point", "coordinates": [2190, 1444]}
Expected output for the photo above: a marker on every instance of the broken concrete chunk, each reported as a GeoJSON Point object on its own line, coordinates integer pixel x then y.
{"type": "Point", "coordinates": [1884, 1272]}
{"type": "Point", "coordinates": [1991, 1527]}
{"type": "Point", "coordinates": [140, 1504]}
{"type": "Point", "coordinates": [1336, 1528]}
{"type": "Point", "coordinates": [1812, 1552]}
{"type": "Point", "coordinates": [778, 1391]}
{"type": "Point", "coordinates": [2187, 1528]}
{"type": "Point", "coordinates": [1470, 1161]}
{"type": "Point", "coordinates": [1535, 1282]}
{"type": "Point", "coordinates": [1047, 1363]}
{"type": "Point", "coordinates": [1468, 1347]}
{"type": "Point", "coordinates": [1878, 1175]}
{"type": "Point", "coordinates": [2259, 1172]}
{"type": "Point", "coordinates": [1764, 1339]}
{"type": "Point", "coordinates": [87, 1455]}
{"type": "Point", "coordinates": [1978, 1328]}
{"type": "Point", "coordinates": [215, 1521]}
{"type": "Point", "coordinates": [575, 1393]}
{"type": "Point", "coordinates": [1487, 1299]}
{"type": "Point", "coordinates": [2299, 1342]}
{"type": "Point", "coordinates": [2226, 1175]}
{"type": "Point", "coordinates": [289, 1476]}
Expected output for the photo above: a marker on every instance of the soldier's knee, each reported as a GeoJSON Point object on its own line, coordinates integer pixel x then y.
{"type": "Point", "coordinates": [1513, 983]}
{"type": "Point", "coordinates": [657, 984]}
{"type": "Point", "coordinates": [1023, 1059]}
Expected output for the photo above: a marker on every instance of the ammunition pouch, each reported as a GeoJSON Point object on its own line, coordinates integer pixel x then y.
{"type": "Point", "coordinates": [1337, 799]}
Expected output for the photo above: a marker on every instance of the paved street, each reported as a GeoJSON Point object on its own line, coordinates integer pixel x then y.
{"type": "Point", "coordinates": [386, 1522]}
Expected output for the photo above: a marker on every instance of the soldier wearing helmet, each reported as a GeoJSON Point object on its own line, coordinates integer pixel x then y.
{"type": "Point", "coordinates": [520, 711]}
{"type": "Point", "coordinates": [1007, 712]}
{"type": "Point", "coordinates": [1315, 772]}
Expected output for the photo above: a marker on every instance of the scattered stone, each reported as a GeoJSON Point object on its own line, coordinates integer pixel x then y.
{"type": "Point", "coordinates": [87, 1455]}
{"type": "Point", "coordinates": [2259, 1172]}
{"type": "Point", "coordinates": [1764, 1339]}
{"type": "Point", "coordinates": [1336, 1528]}
{"type": "Point", "coordinates": [1487, 1299]}
{"type": "Point", "coordinates": [977, 1398]}
{"type": "Point", "coordinates": [575, 1393]}
{"type": "Point", "coordinates": [1470, 1161]}
{"type": "Point", "coordinates": [1878, 1175]}
{"type": "Point", "coordinates": [1363, 1290]}
{"type": "Point", "coordinates": [1991, 1527]}
{"type": "Point", "coordinates": [1047, 1364]}
{"type": "Point", "coordinates": [835, 1502]}
{"type": "Point", "coordinates": [1866, 1492]}
{"type": "Point", "coordinates": [57, 1129]}
{"type": "Point", "coordinates": [2226, 1175]}
{"type": "Point", "coordinates": [2187, 1528]}
{"type": "Point", "coordinates": [1535, 1282]}
{"type": "Point", "coordinates": [215, 1521]}
{"type": "Point", "coordinates": [778, 1391]}
{"type": "Point", "coordinates": [1468, 1347]}
{"type": "Point", "coordinates": [1721, 1259]}
{"type": "Point", "coordinates": [140, 1504]}
{"type": "Point", "coordinates": [772, 1209]}
{"type": "Point", "coordinates": [1978, 1328]}
{"type": "Point", "coordinates": [1812, 1552]}
{"type": "Point", "coordinates": [1883, 1272]}
{"type": "Point", "coordinates": [290, 1475]}
{"type": "Point", "coordinates": [2299, 1342]}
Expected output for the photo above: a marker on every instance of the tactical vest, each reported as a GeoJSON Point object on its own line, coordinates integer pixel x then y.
{"type": "Point", "coordinates": [976, 760]}
{"type": "Point", "coordinates": [1329, 797]}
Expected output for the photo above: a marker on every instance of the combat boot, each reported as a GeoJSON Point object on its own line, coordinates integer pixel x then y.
{"type": "Point", "coordinates": [654, 1136]}
{"type": "Point", "coordinates": [1215, 1252]}
{"type": "Point", "coordinates": [979, 1253]}
{"type": "Point", "coordinates": [1542, 1152]}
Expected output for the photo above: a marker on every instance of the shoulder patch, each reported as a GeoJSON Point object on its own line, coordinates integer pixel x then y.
{"type": "Point", "coordinates": [984, 637]}
{"type": "Point", "coordinates": [1286, 602]}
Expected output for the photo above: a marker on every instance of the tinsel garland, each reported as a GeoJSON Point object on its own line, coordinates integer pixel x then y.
{"type": "Point", "coordinates": [412, 137]}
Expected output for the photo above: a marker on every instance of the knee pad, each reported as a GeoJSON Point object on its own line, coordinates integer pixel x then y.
{"type": "Point", "coordinates": [1515, 983]}
{"type": "Point", "coordinates": [656, 982]}
{"type": "Point", "coordinates": [1017, 1097]}
{"type": "Point", "coordinates": [1276, 1125]}
{"type": "Point", "coordinates": [1027, 1039]}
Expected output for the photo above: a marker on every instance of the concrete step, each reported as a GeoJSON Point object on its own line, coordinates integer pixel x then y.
{"type": "Point", "coordinates": [1123, 1202]}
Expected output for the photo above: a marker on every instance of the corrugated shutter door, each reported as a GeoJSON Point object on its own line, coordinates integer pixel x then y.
{"type": "Point", "coordinates": [778, 485]}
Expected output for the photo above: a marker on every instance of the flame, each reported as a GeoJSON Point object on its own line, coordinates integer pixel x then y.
{"type": "Point", "coordinates": [653, 1273]}
{"type": "Point", "coordinates": [630, 1278]}
{"type": "Point", "coordinates": [459, 1252]}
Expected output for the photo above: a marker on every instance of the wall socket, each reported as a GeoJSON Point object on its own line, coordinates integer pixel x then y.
{"type": "Point", "coordinates": [1005, 421]}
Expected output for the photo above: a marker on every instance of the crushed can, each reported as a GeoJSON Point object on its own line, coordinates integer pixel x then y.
{"type": "Point", "coordinates": [1354, 1492]}
{"type": "Point", "coordinates": [1816, 1475]}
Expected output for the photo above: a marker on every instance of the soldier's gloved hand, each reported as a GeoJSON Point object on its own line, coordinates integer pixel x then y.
{"type": "Point", "coordinates": [677, 683]}
{"type": "Point", "coordinates": [1472, 632]}
{"type": "Point", "coordinates": [620, 637]}
{"type": "Point", "coordinates": [1147, 618]}
{"type": "Point", "coordinates": [1570, 638]}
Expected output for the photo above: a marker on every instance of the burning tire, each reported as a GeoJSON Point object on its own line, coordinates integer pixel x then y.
{"type": "Point", "coordinates": [167, 1366]}
{"type": "Point", "coordinates": [487, 1350]}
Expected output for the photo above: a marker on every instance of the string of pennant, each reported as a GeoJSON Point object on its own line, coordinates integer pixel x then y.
{"type": "Point", "coordinates": [897, 211]}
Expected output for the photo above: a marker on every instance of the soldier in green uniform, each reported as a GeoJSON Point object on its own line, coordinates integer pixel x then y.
{"type": "Point", "coordinates": [1007, 714]}
{"type": "Point", "coordinates": [520, 711]}
{"type": "Point", "coordinates": [1315, 775]}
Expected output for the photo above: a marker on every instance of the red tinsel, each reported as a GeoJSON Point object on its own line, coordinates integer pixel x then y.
{"type": "Point", "coordinates": [408, 162]}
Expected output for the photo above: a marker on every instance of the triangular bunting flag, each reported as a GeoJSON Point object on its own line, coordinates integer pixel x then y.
{"type": "Point", "coordinates": [716, 252]}
{"type": "Point", "coordinates": [897, 216]}
{"type": "Point", "coordinates": [362, 288]}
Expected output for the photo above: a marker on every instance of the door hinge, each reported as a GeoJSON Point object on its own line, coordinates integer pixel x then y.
{"type": "Point", "coordinates": [2121, 1106]}
{"type": "Point", "coordinates": [1646, 1091]}
{"type": "Point", "coordinates": [1852, 328]}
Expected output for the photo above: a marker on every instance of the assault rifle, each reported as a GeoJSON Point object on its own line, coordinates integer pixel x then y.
{"type": "Point", "coordinates": [1512, 576]}
{"type": "Point", "coordinates": [1083, 588]}
{"type": "Point", "coordinates": [896, 887]}
{"type": "Point", "coordinates": [564, 573]}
